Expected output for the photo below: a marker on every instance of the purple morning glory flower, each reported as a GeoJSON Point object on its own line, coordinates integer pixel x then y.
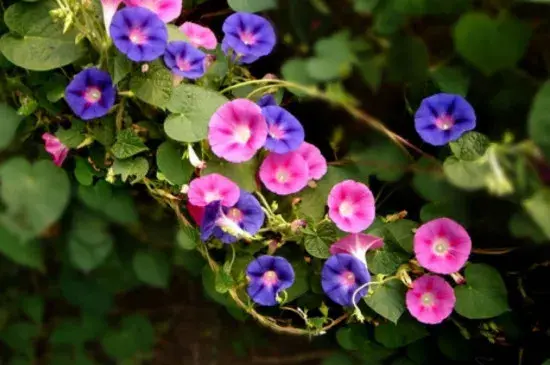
{"type": "Point", "coordinates": [268, 275]}
{"type": "Point", "coordinates": [249, 35]}
{"type": "Point", "coordinates": [267, 100]}
{"type": "Point", "coordinates": [285, 133]}
{"type": "Point", "coordinates": [91, 93]}
{"type": "Point", "coordinates": [341, 276]}
{"type": "Point", "coordinates": [443, 118]}
{"type": "Point", "coordinates": [139, 34]}
{"type": "Point", "coordinates": [185, 60]}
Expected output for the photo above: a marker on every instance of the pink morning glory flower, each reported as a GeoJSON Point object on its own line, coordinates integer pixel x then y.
{"type": "Point", "coordinates": [316, 163]}
{"type": "Point", "coordinates": [167, 10]}
{"type": "Point", "coordinates": [199, 36]}
{"type": "Point", "coordinates": [109, 9]}
{"type": "Point", "coordinates": [351, 206]}
{"type": "Point", "coordinates": [55, 148]}
{"type": "Point", "coordinates": [209, 188]}
{"type": "Point", "coordinates": [431, 299]}
{"type": "Point", "coordinates": [284, 174]}
{"type": "Point", "coordinates": [356, 244]}
{"type": "Point", "coordinates": [237, 130]}
{"type": "Point", "coordinates": [442, 246]}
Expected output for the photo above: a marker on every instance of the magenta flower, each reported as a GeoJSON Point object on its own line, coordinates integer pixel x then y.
{"type": "Point", "coordinates": [109, 9]}
{"type": "Point", "coordinates": [284, 174]}
{"type": "Point", "coordinates": [431, 299]}
{"type": "Point", "coordinates": [351, 206]}
{"type": "Point", "coordinates": [268, 276]}
{"type": "Point", "coordinates": [442, 246]}
{"type": "Point", "coordinates": [316, 162]}
{"type": "Point", "coordinates": [55, 148]}
{"type": "Point", "coordinates": [342, 276]}
{"type": "Point", "coordinates": [356, 244]}
{"type": "Point", "coordinates": [209, 188]}
{"type": "Point", "coordinates": [91, 93]}
{"type": "Point", "coordinates": [167, 10]}
{"type": "Point", "coordinates": [199, 36]}
{"type": "Point", "coordinates": [237, 130]}
{"type": "Point", "coordinates": [284, 131]}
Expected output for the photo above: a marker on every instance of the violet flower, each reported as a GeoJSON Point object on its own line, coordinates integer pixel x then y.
{"type": "Point", "coordinates": [91, 93]}
{"type": "Point", "coordinates": [268, 276]}
{"type": "Point", "coordinates": [342, 276]}
{"type": "Point", "coordinates": [185, 60]}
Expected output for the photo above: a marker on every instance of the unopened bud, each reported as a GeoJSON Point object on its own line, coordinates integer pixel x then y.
{"type": "Point", "coordinates": [458, 278]}
{"type": "Point", "coordinates": [194, 159]}
{"type": "Point", "coordinates": [312, 184]}
{"type": "Point", "coordinates": [297, 224]}
{"type": "Point", "coordinates": [184, 189]}
{"type": "Point", "coordinates": [176, 79]}
{"type": "Point", "coordinates": [296, 201]}
{"type": "Point", "coordinates": [145, 67]}
{"type": "Point", "coordinates": [269, 76]}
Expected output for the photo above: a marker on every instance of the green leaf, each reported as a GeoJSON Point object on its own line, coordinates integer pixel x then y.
{"type": "Point", "coordinates": [127, 144]}
{"type": "Point", "coordinates": [71, 331]}
{"type": "Point", "coordinates": [384, 159]}
{"type": "Point", "coordinates": [193, 106]}
{"type": "Point", "coordinates": [422, 7]}
{"type": "Point", "coordinates": [401, 232]}
{"type": "Point", "coordinates": [467, 175]}
{"type": "Point", "coordinates": [10, 121]}
{"type": "Point", "coordinates": [104, 130]}
{"type": "Point", "coordinates": [429, 181]}
{"type": "Point", "coordinates": [538, 207]}
{"type": "Point", "coordinates": [35, 195]}
{"type": "Point", "coordinates": [470, 146]}
{"type": "Point", "coordinates": [137, 167]}
{"type": "Point", "coordinates": [20, 337]}
{"type": "Point", "coordinates": [136, 335]}
{"type": "Point", "coordinates": [388, 300]}
{"type": "Point", "coordinates": [539, 119]}
{"type": "Point", "coordinates": [521, 225]}
{"type": "Point", "coordinates": [454, 209]}
{"type": "Point", "coordinates": [301, 280]}
{"type": "Point", "coordinates": [154, 86]}
{"type": "Point", "coordinates": [296, 70]}
{"type": "Point", "coordinates": [317, 242]}
{"type": "Point", "coordinates": [371, 70]}
{"type": "Point", "coordinates": [338, 358]}
{"type": "Point", "coordinates": [170, 163]}
{"type": "Point", "coordinates": [365, 6]}
{"type": "Point", "coordinates": [152, 268]}
{"type": "Point", "coordinates": [73, 136]}
{"type": "Point", "coordinates": [224, 282]}
{"type": "Point", "coordinates": [484, 295]}
{"type": "Point", "coordinates": [116, 205]}
{"type": "Point", "coordinates": [24, 253]}
{"type": "Point", "coordinates": [85, 293]}
{"type": "Point", "coordinates": [87, 256]}
{"type": "Point", "coordinates": [351, 336]}
{"type": "Point", "coordinates": [453, 345]}
{"type": "Point", "coordinates": [333, 57]}
{"type": "Point", "coordinates": [386, 20]}
{"type": "Point", "coordinates": [387, 259]}
{"type": "Point", "coordinates": [252, 6]}
{"type": "Point", "coordinates": [188, 238]}
{"type": "Point", "coordinates": [120, 67]}
{"type": "Point", "coordinates": [408, 60]}
{"type": "Point", "coordinates": [83, 171]}
{"type": "Point", "coordinates": [451, 80]}
{"type": "Point", "coordinates": [491, 45]}
{"type": "Point", "coordinates": [33, 307]}
{"type": "Point", "coordinates": [243, 174]}
{"type": "Point", "coordinates": [405, 332]}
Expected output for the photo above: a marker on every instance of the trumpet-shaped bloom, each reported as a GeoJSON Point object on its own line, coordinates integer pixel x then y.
{"type": "Point", "coordinates": [316, 162]}
{"type": "Point", "coordinates": [55, 148]}
{"type": "Point", "coordinates": [199, 36]}
{"type": "Point", "coordinates": [109, 9]}
{"type": "Point", "coordinates": [443, 118]}
{"type": "Point", "coordinates": [230, 222]}
{"type": "Point", "coordinates": [91, 93]}
{"type": "Point", "coordinates": [209, 188]}
{"type": "Point", "coordinates": [351, 206]}
{"type": "Point", "coordinates": [356, 244]}
{"type": "Point", "coordinates": [284, 174]}
{"type": "Point", "coordinates": [342, 276]}
{"type": "Point", "coordinates": [249, 35]}
{"type": "Point", "coordinates": [267, 100]}
{"type": "Point", "coordinates": [139, 34]}
{"type": "Point", "coordinates": [185, 60]}
{"type": "Point", "coordinates": [431, 299]}
{"type": "Point", "coordinates": [268, 276]}
{"type": "Point", "coordinates": [196, 212]}
{"type": "Point", "coordinates": [442, 246]}
{"type": "Point", "coordinates": [284, 131]}
{"type": "Point", "coordinates": [237, 130]}
{"type": "Point", "coordinates": [166, 10]}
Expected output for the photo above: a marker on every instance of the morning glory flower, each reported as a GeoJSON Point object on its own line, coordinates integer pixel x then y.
{"type": "Point", "coordinates": [341, 276]}
{"type": "Point", "coordinates": [209, 188]}
{"type": "Point", "coordinates": [316, 162]}
{"type": "Point", "coordinates": [284, 174]}
{"type": "Point", "coordinates": [199, 36]}
{"type": "Point", "coordinates": [167, 10]}
{"type": "Point", "coordinates": [351, 206]}
{"type": "Point", "coordinates": [357, 244]}
{"type": "Point", "coordinates": [431, 299]}
{"type": "Point", "coordinates": [267, 100]}
{"type": "Point", "coordinates": [443, 118]}
{"type": "Point", "coordinates": [91, 93]}
{"type": "Point", "coordinates": [268, 276]}
{"type": "Point", "coordinates": [185, 60]}
{"type": "Point", "coordinates": [109, 9]}
{"type": "Point", "coordinates": [55, 148]}
{"type": "Point", "coordinates": [284, 131]}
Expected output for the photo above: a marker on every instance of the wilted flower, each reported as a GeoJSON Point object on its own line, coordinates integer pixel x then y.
{"type": "Point", "coordinates": [351, 206]}
{"type": "Point", "coordinates": [284, 131]}
{"type": "Point", "coordinates": [167, 10]}
{"type": "Point", "coordinates": [55, 148]}
{"type": "Point", "coordinates": [342, 276]}
{"type": "Point", "coordinates": [316, 162]}
{"type": "Point", "coordinates": [431, 299]}
{"type": "Point", "coordinates": [237, 130]}
{"type": "Point", "coordinates": [91, 93]}
{"type": "Point", "coordinates": [139, 34]}
{"type": "Point", "coordinates": [109, 9]}
{"type": "Point", "coordinates": [356, 244]}
{"type": "Point", "coordinates": [209, 188]}
{"type": "Point", "coordinates": [284, 174]}
{"type": "Point", "coordinates": [184, 60]}
{"type": "Point", "coordinates": [268, 276]}
{"type": "Point", "coordinates": [442, 246]}
{"type": "Point", "coordinates": [199, 36]}
{"type": "Point", "coordinates": [249, 35]}
{"type": "Point", "coordinates": [443, 118]}
{"type": "Point", "coordinates": [267, 100]}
